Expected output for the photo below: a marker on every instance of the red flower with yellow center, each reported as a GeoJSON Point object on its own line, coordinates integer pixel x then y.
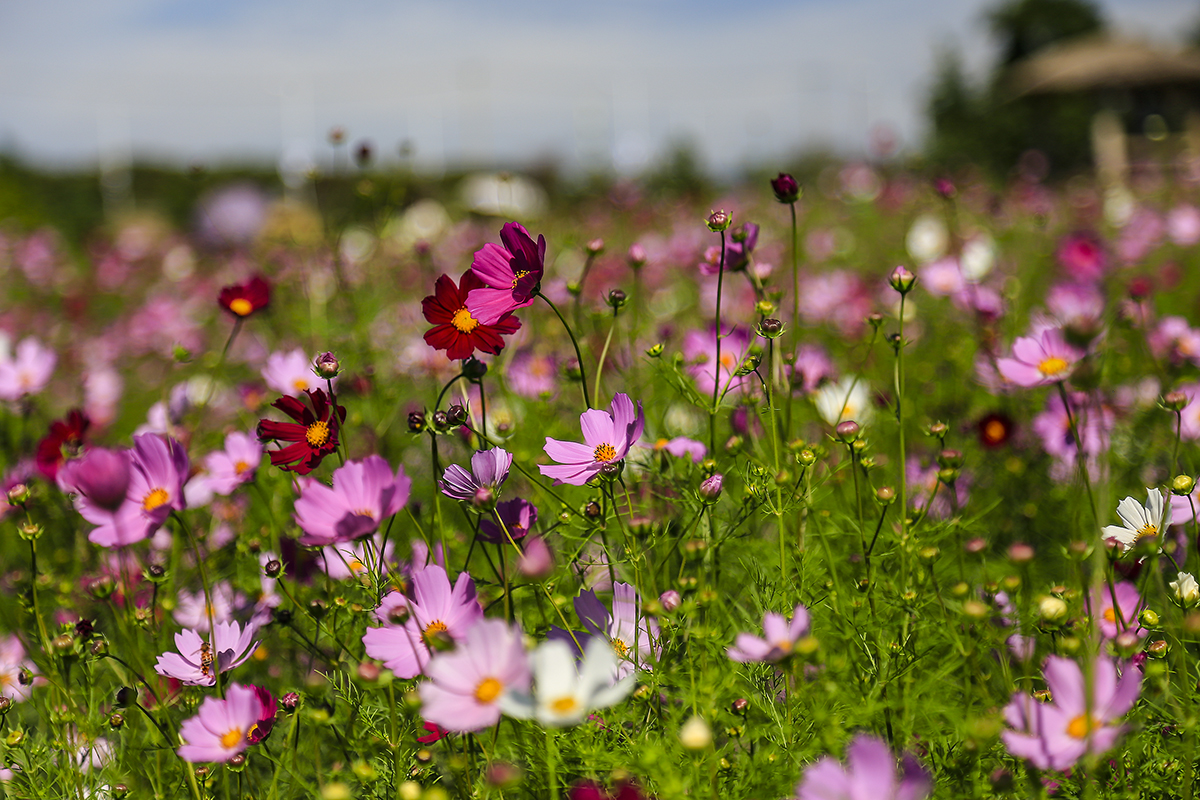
{"type": "Point", "coordinates": [454, 329]}
{"type": "Point", "coordinates": [66, 435]}
{"type": "Point", "coordinates": [313, 434]}
{"type": "Point", "coordinates": [243, 299]}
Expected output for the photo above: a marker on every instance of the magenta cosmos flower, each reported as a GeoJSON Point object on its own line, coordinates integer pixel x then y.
{"type": "Point", "coordinates": [516, 518]}
{"type": "Point", "coordinates": [1057, 734]}
{"type": "Point", "coordinates": [1039, 360]}
{"type": "Point", "coordinates": [223, 728]}
{"type": "Point", "coordinates": [780, 641]}
{"type": "Point", "coordinates": [466, 686]}
{"type": "Point", "coordinates": [430, 609]}
{"type": "Point", "coordinates": [158, 469]}
{"type": "Point", "coordinates": [607, 437]}
{"type": "Point", "coordinates": [364, 493]}
{"type": "Point", "coordinates": [489, 468]}
{"type": "Point", "coordinates": [199, 660]}
{"type": "Point", "coordinates": [870, 772]}
{"type": "Point", "coordinates": [510, 273]}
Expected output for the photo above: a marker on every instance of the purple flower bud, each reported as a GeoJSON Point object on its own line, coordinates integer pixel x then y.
{"type": "Point", "coordinates": [848, 430]}
{"type": "Point", "coordinates": [786, 189]}
{"type": "Point", "coordinates": [719, 221]}
{"type": "Point", "coordinates": [945, 188]}
{"type": "Point", "coordinates": [327, 366]}
{"type": "Point", "coordinates": [290, 701]}
{"type": "Point", "coordinates": [902, 279]}
{"type": "Point", "coordinates": [594, 247]}
{"type": "Point", "coordinates": [670, 599]}
{"type": "Point", "coordinates": [710, 488]}
{"type": "Point", "coordinates": [536, 559]}
{"type": "Point", "coordinates": [101, 475]}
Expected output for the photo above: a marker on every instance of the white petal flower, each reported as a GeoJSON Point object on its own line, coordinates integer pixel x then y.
{"type": "Point", "coordinates": [1185, 590]}
{"type": "Point", "coordinates": [566, 693]}
{"type": "Point", "coordinates": [848, 398]}
{"type": "Point", "coordinates": [1138, 520]}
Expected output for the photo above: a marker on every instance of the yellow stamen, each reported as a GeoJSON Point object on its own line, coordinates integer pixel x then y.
{"type": "Point", "coordinates": [488, 690]}
{"type": "Point", "coordinates": [1079, 727]}
{"type": "Point", "coordinates": [1147, 530]}
{"type": "Point", "coordinates": [433, 629]}
{"type": "Point", "coordinates": [1110, 615]}
{"type": "Point", "coordinates": [232, 738]}
{"type": "Point", "coordinates": [300, 384]}
{"type": "Point", "coordinates": [521, 273]}
{"type": "Point", "coordinates": [1052, 366]}
{"type": "Point", "coordinates": [621, 648]}
{"type": "Point", "coordinates": [463, 322]}
{"type": "Point", "coordinates": [241, 467]}
{"type": "Point", "coordinates": [156, 498]}
{"type": "Point", "coordinates": [317, 433]}
{"type": "Point", "coordinates": [564, 705]}
{"type": "Point", "coordinates": [605, 452]}
{"type": "Point", "coordinates": [241, 306]}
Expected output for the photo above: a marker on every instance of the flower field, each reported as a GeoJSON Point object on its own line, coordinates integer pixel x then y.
{"type": "Point", "coordinates": [876, 487]}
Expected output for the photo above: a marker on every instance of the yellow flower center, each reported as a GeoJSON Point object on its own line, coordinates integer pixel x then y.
{"type": "Point", "coordinates": [661, 444]}
{"type": "Point", "coordinates": [488, 690]}
{"type": "Point", "coordinates": [317, 433]}
{"type": "Point", "coordinates": [1052, 366]}
{"type": "Point", "coordinates": [463, 322]}
{"type": "Point", "coordinates": [994, 431]}
{"type": "Point", "coordinates": [300, 384]}
{"type": "Point", "coordinates": [156, 498]}
{"type": "Point", "coordinates": [1110, 615]}
{"type": "Point", "coordinates": [1147, 530]}
{"type": "Point", "coordinates": [605, 452]}
{"type": "Point", "coordinates": [728, 361]}
{"type": "Point", "coordinates": [621, 648]}
{"type": "Point", "coordinates": [521, 273]}
{"type": "Point", "coordinates": [784, 646]}
{"type": "Point", "coordinates": [356, 566]}
{"type": "Point", "coordinates": [564, 705]}
{"type": "Point", "coordinates": [232, 738]}
{"type": "Point", "coordinates": [241, 306]}
{"type": "Point", "coordinates": [241, 467]}
{"type": "Point", "coordinates": [433, 629]}
{"type": "Point", "coordinates": [1081, 726]}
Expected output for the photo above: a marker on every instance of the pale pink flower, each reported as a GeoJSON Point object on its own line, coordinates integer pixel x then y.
{"type": "Point", "coordinates": [14, 659]}
{"type": "Point", "coordinates": [1040, 360]}
{"type": "Point", "coordinates": [199, 660]}
{"type": "Point", "coordinates": [291, 373]}
{"type": "Point", "coordinates": [467, 687]}
{"type": "Point", "coordinates": [364, 493]}
{"type": "Point", "coordinates": [222, 728]}
{"type": "Point", "coordinates": [869, 774]}
{"type": "Point", "coordinates": [780, 641]}
{"type": "Point", "coordinates": [607, 437]}
{"type": "Point", "coordinates": [28, 371]}
{"type": "Point", "coordinates": [700, 353]}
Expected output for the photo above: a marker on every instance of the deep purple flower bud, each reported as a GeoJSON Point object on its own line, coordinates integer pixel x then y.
{"type": "Point", "coordinates": [770, 328]}
{"type": "Point", "coordinates": [473, 369]}
{"type": "Point", "coordinates": [719, 221]}
{"type": "Point", "coordinates": [290, 701]}
{"type": "Point", "coordinates": [902, 279]}
{"type": "Point", "coordinates": [101, 475]}
{"type": "Point", "coordinates": [456, 415]}
{"type": "Point", "coordinates": [536, 560]}
{"type": "Point", "coordinates": [616, 298]}
{"type": "Point", "coordinates": [710, 488]}
{"type": "Point", "coordinates": [670, 599]}
{"type": "Point", "coordinates": [272, 568]}
{"type": "Point", "coordinates": [364, 153]}
{"type": "Point", "coordinates": [327, 366]}
{"type": "Point", "coordinates": [636, 256]}
{"type": "Point", "coordinates": [786, 189]}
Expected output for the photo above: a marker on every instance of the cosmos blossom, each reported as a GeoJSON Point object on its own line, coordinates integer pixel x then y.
{"type": "Point", "coordinates": [870, 772]}
{"type": "Point", "coordinates": [518, 517]}
{"type": "Point", "coordinates": [781, 637]}
{"type": "Point", "coordinates": [28, 372]}
{"type": "Point", "coordinates": [607, 437]}
{"type": "Point", "coordinates": [1139, 520]}
{"type": "Point", "coordinates": [566, 691]}
{"type": "Point", "coordinates": [489, 468]}
{"type": "Point", "coordinates": [291, 373]}
{"type": "Point", "coordinates": [454, 329]}
{"type": "Point", "coordinates": [511, 274]}
{"type": "Point", "coordinates": [313, 435]}
{"type": "Point", "coordinates": [632, 635]}
{"type": "Point", "coordinates": [199, 660]}
{"type": "Point", "coordinates": [243, 299]}
{"type": "Point", "coordinates": [466, 688]}
{"type": "Point", "coordinates": [1124, 616]}
{"type": "Point", "coordinates": [1039, 360]}
{"type": "Point", "coordinates": [364, 493]}
{"type": "Point", "coordinates": [222, 728]}
{"type": "Point", "coordinates": [64, 435]}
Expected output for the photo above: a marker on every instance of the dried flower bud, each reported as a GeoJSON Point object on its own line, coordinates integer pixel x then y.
{"type": "Point", "coordinates": [327, 366]}
{"type": "Point", "coordinates": [785, 187]}
{"type": "Point", "coordinates": [719, 221]}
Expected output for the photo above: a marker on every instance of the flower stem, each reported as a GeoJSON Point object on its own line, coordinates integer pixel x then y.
{"type": "Point", "coordinates": [587, 401]}
{"type": "Point", "coordinates": [795, 314]}
{"type": "Point", "coordinates": [604, 353]}
{"type": "Point", "coordinates": [898, 378]}
{"type": "Point", "coordinates": [551, 759]}
{"type": "Point", "coordinates": [712, 414]}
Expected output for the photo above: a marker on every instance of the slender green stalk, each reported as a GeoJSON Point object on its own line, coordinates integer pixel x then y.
{"type": "Point", "coordinates": [587, 401]}
{"type": "Point", "coordinates": [712, 413]}
{"type": "Point", "coordinates": [898, 378]}
{"type": "Point", "coordinates": [604, 354]}
{"type": "Point", "coordinates": [795, 315]}
{"type": "Point", "coordinates": [551, 764]}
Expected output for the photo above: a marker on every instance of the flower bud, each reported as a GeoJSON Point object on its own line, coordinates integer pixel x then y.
{"type": "Point", "coordinates": [950, 459]}
{"type": "Point", "coordinates": [785, 187]}
{"type": "Point", "coordinates": [416, 422]}
{"type": "Point", "coordinates": [636, 256]}
{"type": "Point", "coordinates": [536, 560]}
{"type": "Point", "coordinates": [1174, 401]}
{"type": "Point", "coordinates": [456, 415]}
{"type": "Point", "coordinates": [18, 495]}
{"type": "Point", "coordinates": [902, 280]}
{"type": "Point", "coordinates": [30, 531]}
{"type": "Point", "coordinates": [1127, 643]}
{"type": "Point", "coordinates": [116, 721]}
{"type": "Point", "coordinates": [1185, 590]}
{"type": "Point", "coordinates": [1148, 618]}
{"type": "Point", "coordinates": [655, 351]}
{"type": "Point", "coordinates": [289, 702]}
{"type": "Point", "coordinates": [1157, 649]}
{"type": "Point", "coordinates": [327, 366]}
{"type": "Point", "coordinates": [612, 470]}
{"type": "Point", "coordinates": [1020, 553]}
{"type": "Point", "coordinates": [1052, 609]}
{"type": "Point", "coordinates": [484, 498]}
{"type": "Point", "coordinates": [976, 545]}
{"type": "Point", "coordinates": [126, 696]}
{"type": "Point", "coordinates": [740, 705]}
{"type": "Point", "coordinates": [670, 599]}
{"type": "Point", "coordinates": [719, 221]}
{"type": "Point", "coordinates": [473, 369]}
{"type": "Point", "coordinates": [1182, 485]}
{"type": "Point", "coordinates": [695, 734]}
{"type": "Point", "coordinates": [616, 299]}
{"type": "Point", "coordinates": [770, 328]}
{"type": "Point", "coordinates": [748, 365]}
{"type": "Point", "coordinates": [847, 431]}
{"type": "Point", "coordinates": [710, 488]}
{"type": "Point", "coordinates": [885, 495]}
{"type": "Point", "coordinates": [273, 568]}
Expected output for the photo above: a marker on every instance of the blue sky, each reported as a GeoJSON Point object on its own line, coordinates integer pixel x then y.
{"type": "Point", "coordinates": [588, 84]}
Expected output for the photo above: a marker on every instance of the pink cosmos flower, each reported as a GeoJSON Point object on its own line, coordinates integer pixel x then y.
{"type": "Point", "coordinates": [14, 659]}
{"type": "Point", "coordinates": [466, 688]}
{"type": "Point", "coordinates": [700, 352]}
{"type": "Point", "coordinates": [364, 493]}
{"type": "Point", "coordinates": [1082, 256]}
{"type": "Point", "coordinates": [1174, 339]}
{"type": "Point", "coordinates": [781, 638]}
{"type": "Point", "coordinates": [1040, 360]}
{"type": "Point", "coordinates": [226, 470]}
{"type": "Point", "coordinates": [942, 278]}
{"type": "Point", "coordinates": [199, 660]}
{"type": "Point", "coordinates": [291, 373]}
{"type": "Point", "coordinates": [607, 437]}
{"type": "Point", "coordinates": [519, 516]}
{"type": "Point", "coordinates": [1129, 604]}
{"type": "Point", "coordinates": [1055, 735]}
{"type": "Point", "coordinates": [223, 728]}
{"type": "Point", "coordinates": [680, 447]}
{"type": "Point", "coordinates": [633, 635]}
{"type": "Point", "coordinates": [351, 559]}
{"type": "Point", "coordinates": [811, 368]}
{"type": "Point", "coordinates": [192, 611]}
{"type": "Point", "coordinates": [158, 469]}
{"type": "Point", "coordinates": [1092, 421]}
{"type": "Point", "coordinates": [870, 773]}
{"type": "Point", "coordinates": [430, 609]}
{"type": "Point", "coordinates": [1183, 225]}
{"type": "Point", "coordinates": [532, 375]}
{"type": "Point", "coordinates": [100, 475]}
{"type": "Point", "coordinates": [27, 373]}
{"type": "Point", "coordinates": [511, 273]}
{"type": "Point", "coordinates": [489, 468]}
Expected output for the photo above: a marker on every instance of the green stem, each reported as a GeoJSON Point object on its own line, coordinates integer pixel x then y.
{"type": "Point", "coordinates": [898, 378]}
{"type": "Point", "coordinates": [551, 765]}
{"type": "Point", "coordinates": [712, 414]}
{"type": "Point", "coordinates": [604, 354]}
{"type": "Point", "coordinates": [587, 401]}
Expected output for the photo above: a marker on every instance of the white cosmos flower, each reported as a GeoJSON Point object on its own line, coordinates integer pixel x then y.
{"type": "Point", "coordinates": [1186, 590]}
{"type": "Point", "coordinates": [848, 398]}
{"type": "Point", "coordinates": [1138, 520]}
{"type": "Point", "coordinates": [565, 692]}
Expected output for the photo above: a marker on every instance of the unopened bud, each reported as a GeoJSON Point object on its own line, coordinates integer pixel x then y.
{"type": "Point", "coordinates": [289, 702]}
{"type": "Point", "coordinates": [1174, 401]}
{"type": "Point", "coordinates": [785, 188]}
{"type": "Point", "coordinates": [885, 495]}
{"type": "Point", "coordinates": [594, 247]}
{"type": "Point", "coordinates": [116, 721]}
{"type": "Point", "coordinates": [473, 369]}
{"type": "Point", "coordinates": [1183, 485]}
{"type": "Point", "coordinates": [484, 498]}
{"type": "Point", "coordinates": [456, 415]}
{"type": "Point", "coordinates": [950, 459]}
{"type": "Point", "coordinates": [770, 328]}
{"type": "Point", "coordinates": [655, 351]}
{"type": "Point", "coordinates": [18, 494]}
{"type": "Point", "coordinates": [616, 298]}
{"type": "Point", "coordinates": [636, 256]}
{"type": "Point", "coordinates": [327, 366]}
{"type": "Point", "coordinates": [1020, 553]}
{"type": "Point", "coordinates": [272, 568]}
{"type": "Point", "coordinates": [719, 221]}
{"type": "Point", "coordinates": [902, 279]}
{"type": "Point", "coordinates": [670, 599]}
{"type": "Point", "coordinates": [939, 429]}
{"type": "Point", "coordinates": [1157, 649]}
{"type": "Point", "coordinates": [1052, 609]}
{"type": "Point", "coordinates": [848, 430]}
{"type": "Point", "coordinates": [710, 488]}
{"type": "Point", "coordinates": [1148, 618]}
{"type": "Point", "coordinates": [592, 510]}
{"type": "Point", "coordinates": [29, 531]}
{"type": "Point", "coordinates": [416, 422]}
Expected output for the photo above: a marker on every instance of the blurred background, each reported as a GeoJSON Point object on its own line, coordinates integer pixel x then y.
{"type": "Point", "coordinates": [103, 106]}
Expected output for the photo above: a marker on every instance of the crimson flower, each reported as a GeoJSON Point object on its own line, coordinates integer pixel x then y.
{"type": "Point", "coordinates": [313, 434]}
{"type": "Point", "coordinates": [454, 329]}
{"type": "Point", "coordinates": [511, 274]}
{"type": "Point", "coordinates": [243, 299]}
{"type": "Point", "coordinates": [64, 434]}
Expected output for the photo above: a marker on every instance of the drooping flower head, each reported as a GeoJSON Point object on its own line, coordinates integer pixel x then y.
{"type": "Point", "coordinates": [243, 299]}
{"type": "Point", "coordinates": [430, 610]}
{"type": "Point", "coordinates": [1040, 360]}
{"type": "Point", "coordinates": [65, 438]}
{"type": "Point", "coordinates": [314, 434]}
{"type": "Point", "coordinates": [511, 274]}
{"type": "Point", "coordinates": [454, 329]}
{"type": "Point", "coordinates": [566, 690]}
{"type": "Point", "coordinates": [489, 468]}
{"type": "Point", "coordinates": [518, 517]}
{"type": "Point", "coordinates": [466, 687]}
{"type": "Point", "coordinates": [223, 728]}
{"type": "Point", "coordinates": [364, 493]}
{"type": "Point", "coordinates": [1139, 520]}
{"type": "Point", "coordinates": [199, 660]}
{"type": "Point", "coordinates": [779, 642]}
{"type": "Point", "coordinates": [1056, 734]}
{"type": "Point", "coordinates": [607, 437]}
{"type": "Point", "coordinates": [870, 772]}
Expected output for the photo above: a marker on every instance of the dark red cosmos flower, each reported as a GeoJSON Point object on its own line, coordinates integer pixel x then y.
{"type": "Point", "coordinates": [243, 299]}
{"type": "Point", "coordinates": [64, 434]}
{"type": "Point", "coordinates": [435, 733]}
{"type": "Point", "coordinates": [454, 329]}
{"type": "Point", "coordinates": [314, 433]}
{"type": "Point", "coordinates": [590, 790]}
